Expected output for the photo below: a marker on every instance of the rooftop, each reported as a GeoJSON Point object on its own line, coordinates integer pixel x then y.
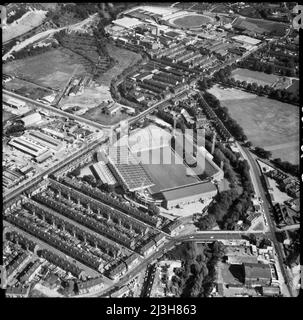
{"type": "Point", "coordinates": [187, 191]}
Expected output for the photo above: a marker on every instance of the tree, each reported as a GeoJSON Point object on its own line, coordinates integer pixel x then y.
{"type": "Point", "coordinates": [153, 209]}
{"type": "Point", "coordinates": [76, 172]}
{"type": "Point", "coordinates": [90, 179]}
{"type": "Point", "coordinates": [248, 144]}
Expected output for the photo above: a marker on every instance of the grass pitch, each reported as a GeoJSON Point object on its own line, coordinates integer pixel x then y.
{"type": "Point", "coordinates": [268, 123]}
{"type": "Point", "coordinates": [50, 69]}
{"type": "Point", "coordinates": [250, 76]}
{"type": "Point", "coordinates": [191, 21]}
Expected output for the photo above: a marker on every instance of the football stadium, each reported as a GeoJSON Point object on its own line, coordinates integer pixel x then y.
{"type": "Point", "coordinates": [161, 173]}
{"type": "Point", "coordinates": [191, 21]}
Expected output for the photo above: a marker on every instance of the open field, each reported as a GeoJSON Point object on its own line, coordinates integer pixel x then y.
{"type": "Point", "coordinates": [51, 69]}
{"type": "Point", "coordinates": [124, 58]}
{"type": "Point", "coordinates": [27, 89]}
{"type": "Point", "coordinates": [95, 114]}
{"type": "Point", "coordinates": [26, 23]}
{"type": "Point", "coordinates": [90, 98]}
{"type": "Point", "coordinates": [261, 26]}
{"type": "Point", "coordinates": [267, 123]}
{"type": "Point", "coordinates": [191, 21]}
{"type": "Point", "coordinates": [294, 87]}
{"type": "Point", "coordinates": [250, 76]}
{"type": "Point", "coordinates": [6, 115]}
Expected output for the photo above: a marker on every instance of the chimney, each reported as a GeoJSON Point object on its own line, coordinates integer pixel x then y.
{"type": "Point", "coordinates": [213, 143]}
{"type": "Point", "coordinates": [221, 164]}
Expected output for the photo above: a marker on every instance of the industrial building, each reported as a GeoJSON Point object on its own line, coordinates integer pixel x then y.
{"type": "Point", "coordinates": [188, 194]}
{"type": "Point", "coordinates": [246, 40]}
{"type": "Point", "coordinates": [31, 119]}
{"type": "Point", "coordinates": [27, 145]}
{"type": "Point", "coordinates": [12, 102]}
{"type": "Point", "coordinates": [128, 23]}
{"type": "Point", "coordinates": [45, 140]}
{"type": "Point", "coordinates": [103, 173]}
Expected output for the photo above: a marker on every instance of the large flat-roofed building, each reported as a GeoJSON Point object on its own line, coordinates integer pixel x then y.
{"type": "Point", "coordinates": [246, 40]}
{"type": "Point", "coordinates": [12, 102]}
{"type": "Point", "coordinates": [103, 173]}
{"type": "Point", "coordinates": [45, 140]}
{"type": "Point", "coordinates": [257, 274]}
{"type": "Point", "coordinates": [28, 146]}
{"type": "Point", "coordinates": [188, 194]}
{"type": "Point", "coordinates": [128, 23]}
{"type": "Point", "coordinates": [31, 119]}
{"type": "Point", "coordinates": [44, 156]}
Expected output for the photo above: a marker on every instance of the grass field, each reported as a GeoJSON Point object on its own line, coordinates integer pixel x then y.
{"type": "Point", "coordinates": [294, 88]}
{"type": "Point", "coordinates": [191, 21]}
{"type": "Point", "coordinates": [124, 58]}
{"type": "Point", "coordinates": [6, 115]}
{"type": "Point", "coordinates": [167, 176]}
{"type": "Point", "coordinates": [268, 123]}
{"type": "Point", "coordinates": [51, 69]}
{"type": "Point", "coordinates": [28, 89]}
{"type": "Point", "coordinates": [250, 76]}
{"type": "Point", "coordinates": [261, 26]}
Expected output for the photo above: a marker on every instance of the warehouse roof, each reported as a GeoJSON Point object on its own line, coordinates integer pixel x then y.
{"type": "Point", "coordinates": [187, 191]}
{"type": "Point", "coordinates": [246, 39]}
{"type": "Point", "coordinates": [127, 22]}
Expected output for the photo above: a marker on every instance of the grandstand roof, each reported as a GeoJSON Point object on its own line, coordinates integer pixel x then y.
{"type": "Point", "coordinates": [187, 191]}
{"type": "Point", "coordinates": [129, 169]}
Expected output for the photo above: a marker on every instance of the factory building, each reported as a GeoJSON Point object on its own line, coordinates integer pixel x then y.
{"type": "Point", "coordinates": [102, 172]}
{"type": "Point", "coordinates": [28, 146]}
{"type": "Point", "coordinates": [12, 102]}
{"type": "Point", "coordinates": [45, 140]}
{"type": "Point", "coordinates": [31, 119]}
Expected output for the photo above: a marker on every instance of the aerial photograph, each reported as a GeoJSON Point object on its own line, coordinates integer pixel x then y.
{"type": "Point", "coordinates": [150, 149]}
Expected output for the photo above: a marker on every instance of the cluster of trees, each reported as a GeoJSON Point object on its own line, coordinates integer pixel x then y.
{"type": "Point", "coordinates": [170, 119]}
{"type": "Point", "coordinates": [197, 276]}
{"type": "Point", "coordinates": [262, 153]}
{"type": "Point", "coordinates": [19, 13]}
{"type": "Point", "coordinates": [31, 51]}
{"type": "Point", "coordinates": [286, 166]}
{"type": "Point", "coordinates": [223, 76]}
{"type": "Point", "coordinates": [284, 66]}
{"type": "Point", "coordinates": [16, 129]}
{"type": "Point", "coordinates": [222, 112]}
{"type": "Point", "coordinates": [153, 209]}
{"type": "Point", "coordinates": [294, 250]}
{"type": "Point", "coordinates": [228, 206]}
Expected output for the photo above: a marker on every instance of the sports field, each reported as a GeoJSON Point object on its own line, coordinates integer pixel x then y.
{"type": "Point", "coordinates": [167, 176]}
{"type": "Point", "coordinates": [191, 21]}
{"type": "Point", "coordinates": [268, 123]}
{"type": "Point", "coordinates": [261, 26]}
{"type": "Point", "coordinates": [250, 76]}
{"type": "Point", "coordinates": [51, 69]}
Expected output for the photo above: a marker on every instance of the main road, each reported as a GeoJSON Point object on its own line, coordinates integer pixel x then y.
{"type": "Point", "coordinates": [256, 174]}
{"type": "Point", "coordinates": [208, 236]}
{"type": "Point", "coordinates": [38, 178]}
